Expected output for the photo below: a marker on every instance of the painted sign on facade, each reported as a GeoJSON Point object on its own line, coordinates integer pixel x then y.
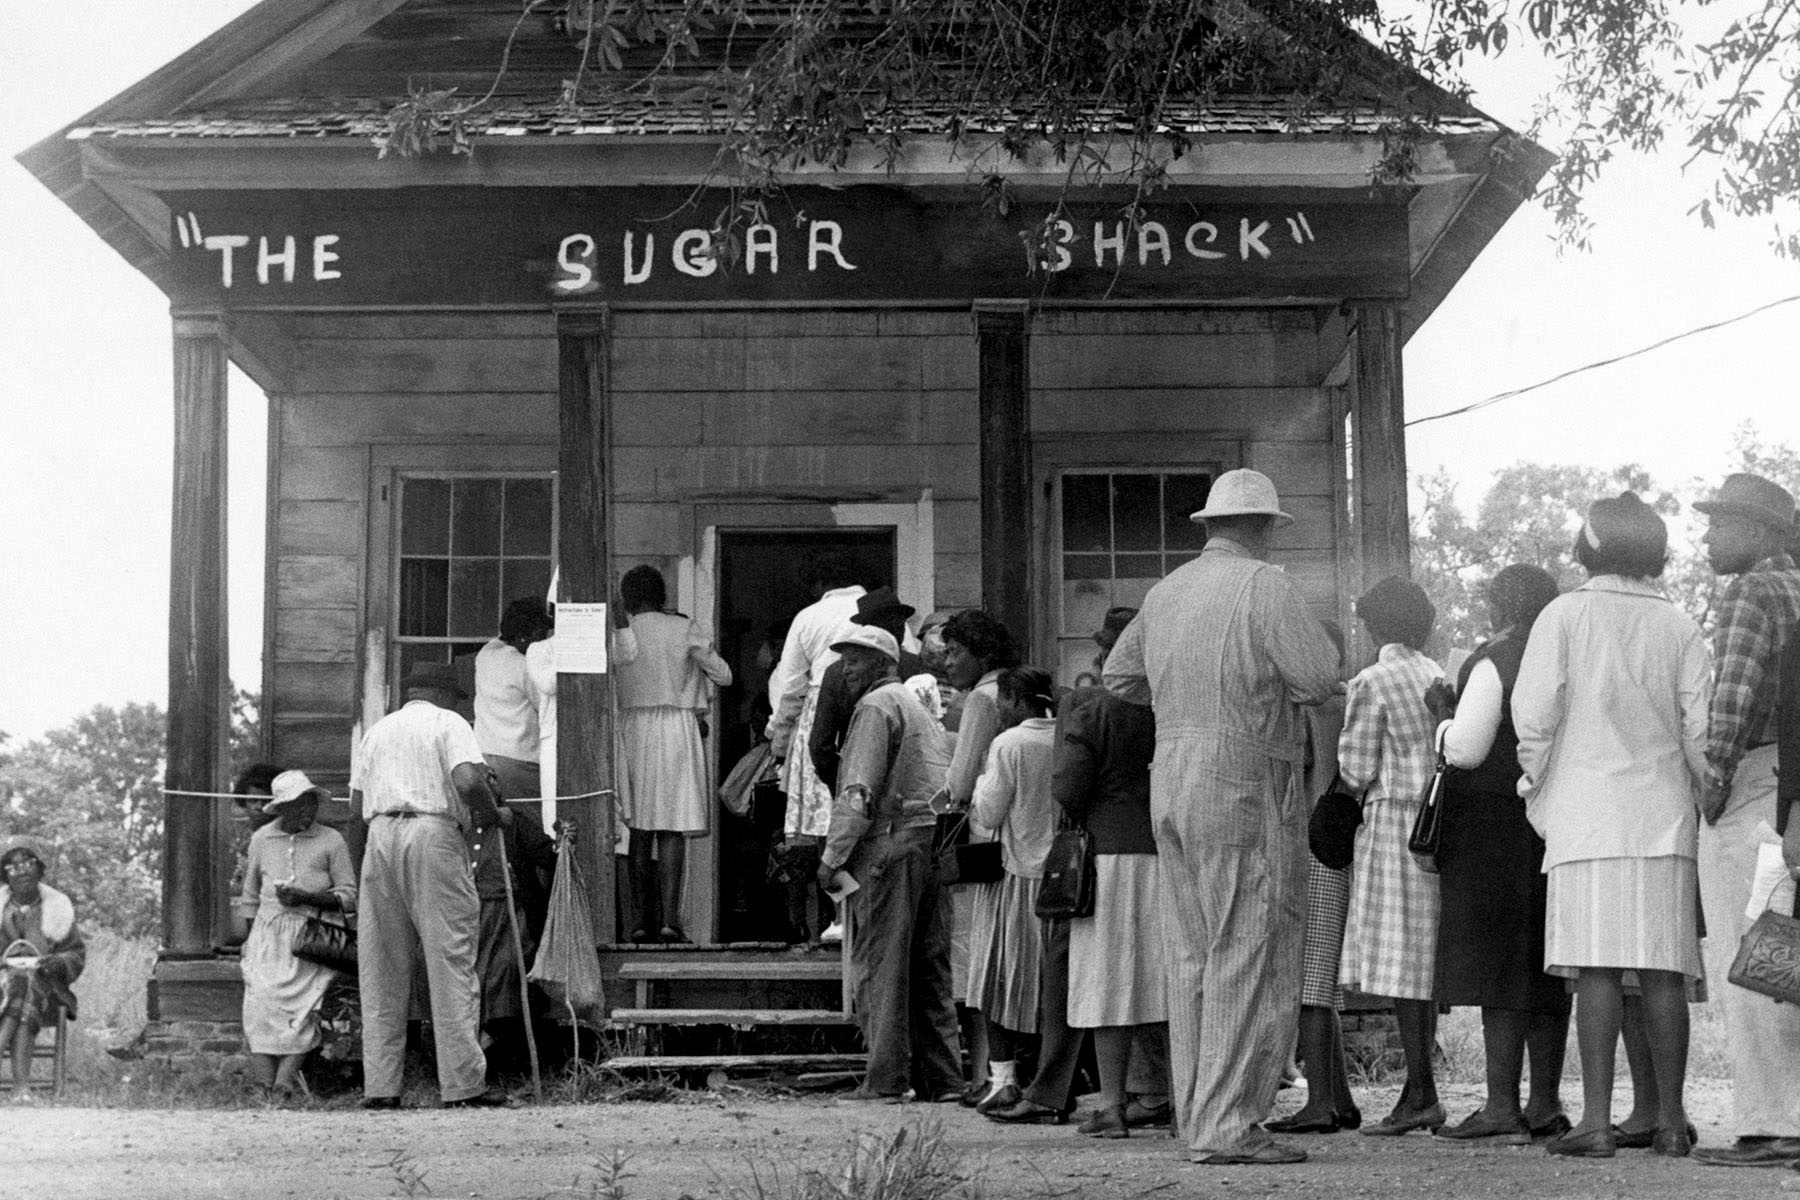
{"type": "Point", "coordinates": [471, 246]}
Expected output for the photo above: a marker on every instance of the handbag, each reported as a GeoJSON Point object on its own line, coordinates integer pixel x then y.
{"type": "Point", "coordinates": [738, 792]}
{"type": "Point", "coordinates": [1768, 959]}
{"type": "Point", "coordinates": [326, 943]}
{"type": "Point", "coordinates": [1428, 827]}
{"type": "Point", "coordinates": [1068, 887]}
{"type": "Point", "coordinates": [1331, 832]}
{"type": "Point", "coordinates": [961, 860]}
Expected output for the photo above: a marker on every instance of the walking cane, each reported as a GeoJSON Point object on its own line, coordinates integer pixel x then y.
{"type": "Point", "coordinates": [512, 925]}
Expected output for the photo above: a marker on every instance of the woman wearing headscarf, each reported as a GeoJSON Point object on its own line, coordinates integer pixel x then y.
{"type": "Point", "coordinates": [43, 955]}
{"type": "Point", "coordinates": [1610, 708]}
{"type": "Point", "coordinates": [1390, 938]}
{"type": "Point", "coordinates": [1490, 950]}
{"type": "Point", "coordinates": [296, 868]}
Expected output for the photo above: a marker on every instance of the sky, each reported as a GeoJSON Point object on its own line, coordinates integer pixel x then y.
{"type": "Point", "coordinates": [85, 389]}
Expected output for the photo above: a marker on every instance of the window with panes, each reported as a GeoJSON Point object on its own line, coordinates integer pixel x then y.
{"type": "Point", "coordinates": [1117, 533]}
{"type": "Point", "coordinates": [468, 546]}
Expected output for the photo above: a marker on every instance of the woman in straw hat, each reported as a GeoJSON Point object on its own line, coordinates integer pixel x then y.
{"type": "Point", "coordinates": [1610, 708]}
{"type": "Point", "coordinates": [297, 868]}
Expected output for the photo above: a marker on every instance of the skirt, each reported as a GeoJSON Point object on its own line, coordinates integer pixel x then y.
{"type": "Point", "coordinates": [1491, 916]}
{"type": "Point", "coordinates": [1327, 908]}
{"type": "Point", "coordinates": [1636, 913]}
{"type": "Point", "coordinates": [281, 992]}
{"type": "Point", "coordinates": [1390, 937]}
{"type": "Point", "coordinates": [664, 775]}
{"type": "Point", "coordinates": [809, 800]}
{"type": "Point", "coordinates": [1116, 959]}
{"type": "Point", "coordinates": [1006, 956]}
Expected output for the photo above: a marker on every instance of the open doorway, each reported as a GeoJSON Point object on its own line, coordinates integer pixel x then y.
{"type": "Point", "coordinates": [761, 586]}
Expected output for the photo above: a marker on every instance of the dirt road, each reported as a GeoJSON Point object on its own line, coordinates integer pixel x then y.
{"type": "Point", "coordinates": [704, 1149]}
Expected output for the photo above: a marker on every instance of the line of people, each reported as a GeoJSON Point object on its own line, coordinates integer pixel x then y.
{"type": "Point", "coordinates": [1602, 783]}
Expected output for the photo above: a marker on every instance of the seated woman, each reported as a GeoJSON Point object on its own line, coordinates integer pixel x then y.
{"type": "Point", "coordinates": [297, 868]}
{"type": "Point", "coordinates": [43, 955]}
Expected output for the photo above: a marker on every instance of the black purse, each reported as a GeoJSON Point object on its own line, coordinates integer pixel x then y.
{"type": "Point", "coordinates": [1331, 832]}
{"type": "Point", "coordinates": [1428, 827]}
{"type": "Point", "coordinates": [961, 860]}
{"type": "Point", "coordinates": [1068, 887]}
{"type": "Point", "coordinates": [328, 944]}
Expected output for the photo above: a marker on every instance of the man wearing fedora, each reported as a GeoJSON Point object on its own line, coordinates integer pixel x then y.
{"type": "Point", "coordinates": [419, 781]}
{"type": "Point", "coordinates": [1225, 652]}
{"type": "Point", "coordinates": [1749, 525]}
{"type": "Point", "coordinates": [894, 761]}
{"type": "Point", "coordinates": [831, 715]}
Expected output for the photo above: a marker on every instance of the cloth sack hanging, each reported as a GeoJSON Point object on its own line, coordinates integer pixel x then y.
{"type": "Point", "coordinates": [567, 966]}
{"type": "Point", "coordinates": [756, 768]}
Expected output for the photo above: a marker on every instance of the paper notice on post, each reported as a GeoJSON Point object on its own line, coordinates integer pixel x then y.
{"type": "Point", "coordinates": [582, 635]}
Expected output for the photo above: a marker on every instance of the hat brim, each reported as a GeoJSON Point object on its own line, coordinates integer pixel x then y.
{"type": "Point", "coordinates": [1282, 520]}
{"type": "Point", "coordinates": [1740, 508]}
{"type": "Point", "coordinates": [840, 647]}
{"type": "Point", "coordinates": [272, 805]}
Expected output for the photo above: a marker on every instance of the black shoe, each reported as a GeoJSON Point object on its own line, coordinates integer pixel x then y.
{"type": "Point", "coordinates": [1027, 1112]}
{"type": "Point", "coordinates": [1293, 1124]}
{"type": "Point", "coordinates": [381, 1103]}
{"type": "Point", "coordinates": [1645, 1139]}
{"type": "Point", "coordinates": [1006, 1097]}
{"type": "Point", "coordinates": [1552, 1126]}
{"type": "Point", "coordinates": [492, 1098]}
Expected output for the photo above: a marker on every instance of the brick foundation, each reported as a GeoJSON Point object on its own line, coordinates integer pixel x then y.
{"type": "Point", "coordinates": [185, 1041]}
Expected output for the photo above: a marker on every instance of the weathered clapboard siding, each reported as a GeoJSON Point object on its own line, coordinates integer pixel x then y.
{"type": "Point", "coordinates": [1278, 414]}
{"type": "Point", "coordinates": [413, 384]}
{"type": "Point", "coordinates": [676, 473]}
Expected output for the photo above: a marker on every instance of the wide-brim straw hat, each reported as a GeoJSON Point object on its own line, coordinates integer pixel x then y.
{"type": "Point", "coordinates": [289, 788]}
{"type": "Point", "coordinates": [1747, 495]}
{"type": "Point", "coordinates": [1242, 493]}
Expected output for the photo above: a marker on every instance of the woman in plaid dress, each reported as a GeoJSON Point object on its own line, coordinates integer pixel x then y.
{"type": "Point", "coordinates": [1390, 942]}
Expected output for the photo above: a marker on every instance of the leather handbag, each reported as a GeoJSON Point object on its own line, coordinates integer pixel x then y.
{"type": "Point", "coordinates": [1331, 833]}
{"type": "Point", "coordinates": [1768, 959]}
{"type": "Point", "coordinates": [1067, 890]}
{"type": "Point", "coordinates": [326, 943]}
{"type": "Point", "coordinates": [961, 860]}
{"type": "Point", "coordinates": [1428, 827]}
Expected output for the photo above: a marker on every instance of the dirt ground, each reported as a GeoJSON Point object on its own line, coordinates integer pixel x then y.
{"type": "Point", "coordinates": [705, 1148]}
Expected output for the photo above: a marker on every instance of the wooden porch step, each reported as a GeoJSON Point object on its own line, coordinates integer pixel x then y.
{"type": "Point", "coordinates": [825, 970]}
{"type": "Point", "coordinates": [730, 1016]}
{"type": "Point", "coordinates": [738, 1062]}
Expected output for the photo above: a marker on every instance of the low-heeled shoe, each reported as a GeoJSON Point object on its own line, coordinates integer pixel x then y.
{"type": "Point", "coordinates": [1479, 1127]}
{"type": "Point", "coordinates": [1596, 1143]}
{"type": "Point", "coordinates": [1751, 1152]}
{"type": "Point", "coordinates": [1396, 1124]}
{"type": "Point", "coordinates": [1294, 1124]}
{"type": "Point", "coordinates": [1554, 1125]}
{"type": "Point", "coordinates": [1106, 1123]}
{"type": "Point", "coordinates": [1027, 1112]}
{"type": "Point", "coordinates": [1644, 1139]}
{"type": "Point", "coordinates": [1139, 1115]}
{"type": "Point", "coordinates": [1271, 1155]}
{"type": "Point", "coordinates": [1006, 1097]}
{"type": "Point", "coordinates": [1672, 1143]}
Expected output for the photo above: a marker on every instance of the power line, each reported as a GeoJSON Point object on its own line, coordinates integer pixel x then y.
{"type": "Point", "coordinates": [1605, 362]}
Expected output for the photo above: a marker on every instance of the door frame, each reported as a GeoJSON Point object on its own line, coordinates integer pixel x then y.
{"type": "Point", "coordinates": [697, 589]}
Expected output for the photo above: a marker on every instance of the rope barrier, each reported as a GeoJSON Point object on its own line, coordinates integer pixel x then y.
{"type": "Point", "coordinates": [260, 796]}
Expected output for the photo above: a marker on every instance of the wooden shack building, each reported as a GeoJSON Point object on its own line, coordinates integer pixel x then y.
{"type": "Point", "coordinates": [482, 367]}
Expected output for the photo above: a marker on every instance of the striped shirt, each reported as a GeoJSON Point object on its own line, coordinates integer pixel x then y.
{"type": "Point", "coordinates": [1387, 743]}
{"type": "Point", "coordinates": [406, 758]}
{"type": "Point", "coordinates": [1759, 612]}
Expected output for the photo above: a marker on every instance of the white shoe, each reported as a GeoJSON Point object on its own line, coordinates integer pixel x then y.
{"type": "Point", "coordinates": [834, 933]}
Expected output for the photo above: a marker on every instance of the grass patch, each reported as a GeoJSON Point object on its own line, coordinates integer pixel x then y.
{"type": "Point", "coordinates": [915, 1163]}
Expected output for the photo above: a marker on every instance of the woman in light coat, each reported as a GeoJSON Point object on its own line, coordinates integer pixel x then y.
{"type": "Point", "coordinates": [1610, 708]}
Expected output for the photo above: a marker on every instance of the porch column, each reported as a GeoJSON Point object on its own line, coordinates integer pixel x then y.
{"type": "Point", "coordinates": [584, 760]}
{"type": "Point", "coordinates": [1379, 409]}
{"type": "Point", "coordinates": [199, 671]}
{"type": "Point", "coordinates": [1005, 400]}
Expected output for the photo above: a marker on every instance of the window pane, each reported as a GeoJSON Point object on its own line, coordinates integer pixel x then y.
{"type": "Point", "coordinates": [1086, 521]}
{"type": "Point", "coordinates": [425, 516]}
{"type": "Point", "coordinates": [1137, 513]}
{"type": "Point", "coordinates": [1184, 495]}
{"type": "Point", "coordinates": [1087, 566]}
{"type": "Point", "coordinates": [474, 597]}
{"type": "Point", "coordinates": [475, 516]}
{"type": "Point", "coordinates": [524, 577]}
{"type": "Point", "coordinates": [527, 517]}
{"type": "Point", "coordinates": [424, 597]}
{"type": "Point", "coordinates": [1084, 605]}
{"type": "Point", "coordinates": [414, 653]}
